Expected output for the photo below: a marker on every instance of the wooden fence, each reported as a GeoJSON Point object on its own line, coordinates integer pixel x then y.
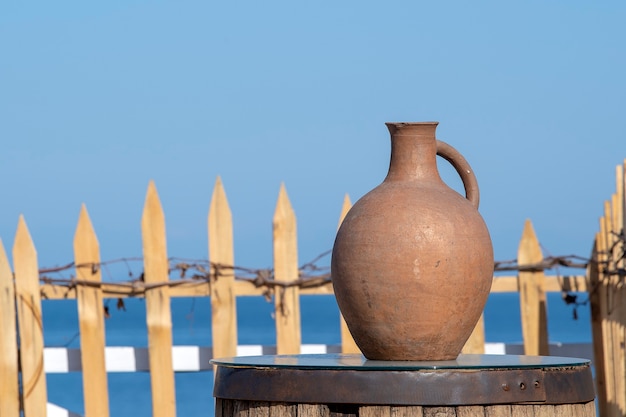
{"type": "Point", "coordinates": [21, 291]}
{"type": "Point", "coordinates": [606, 273]}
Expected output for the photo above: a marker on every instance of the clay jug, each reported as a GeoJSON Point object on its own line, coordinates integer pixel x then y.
{"type": "Point", "coordinates": [412, 262]}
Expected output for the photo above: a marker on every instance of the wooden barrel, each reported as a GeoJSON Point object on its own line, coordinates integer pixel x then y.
{"type": "Point", "coordinates": [350, 385]}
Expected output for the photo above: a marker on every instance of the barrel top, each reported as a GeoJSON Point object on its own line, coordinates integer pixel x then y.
{"type": "Point", "coordinates": [352, 379]}
{"type": "Point", "coordinates": [359, 362]}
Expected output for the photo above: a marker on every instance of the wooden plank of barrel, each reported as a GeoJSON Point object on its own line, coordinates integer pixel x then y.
{"type": "Point", "coordinates": [240, 408]}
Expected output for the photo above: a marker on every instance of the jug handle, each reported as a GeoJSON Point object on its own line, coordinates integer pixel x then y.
{"type": "Point", "coordinates": [463, 168]}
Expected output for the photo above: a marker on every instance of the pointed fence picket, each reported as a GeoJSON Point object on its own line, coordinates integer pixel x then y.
{"type": "Point", "coordinates": [532, 295]}
{"type": "Point", "coordinates": [158, 315]}
{"type": "Point", "coordinates": [348, 345]}
{"type": "Point", "coordinates": [476, 342]}
{"type": "Point", "coordinates": [221, 252]}
{"type": "Point", "coordinates": [596, 303]}
{"type": "Point", "coordinates": [287, 298]}
{"type": "Point", "coordinates": [603, 280]}
{"type": "Point", "coordinates": [30, 320]}
{"type": "Point", "coordinates": [9, 388]}
{"type": "Point", "coordinates": [91, 318]}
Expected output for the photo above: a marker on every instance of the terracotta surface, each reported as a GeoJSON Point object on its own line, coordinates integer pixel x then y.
{"type": "Point", "coordinates": [412, 263]}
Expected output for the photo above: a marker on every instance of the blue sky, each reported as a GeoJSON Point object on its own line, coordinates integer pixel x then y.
{"type": "Point", "coordinates": [97, 99]}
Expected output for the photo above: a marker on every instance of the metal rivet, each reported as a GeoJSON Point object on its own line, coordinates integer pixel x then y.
{"type": "Point", "coordinates": [536, 384]}
{"type": "Point", "coordinates": [505, 387]}
{"type": "Point", "coordinates": [522, 386]}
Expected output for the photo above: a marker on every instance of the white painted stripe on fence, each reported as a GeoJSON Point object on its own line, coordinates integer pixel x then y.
{"type": "Point", "coordinates": [495, 348]}
{"type": "Point", "coordinates": [249, 350]}
{"type": "Point", "coordinates": [56, 360]}
{"type": "Point", "coordinates": [186, 358]}
{"type": "Point", "coordinates": [306, 349]}
{"type": "Point", "coordinates": [119, 359]}
{"type": "Point", "coordinates": [196, 358]}
{"type": "Point", "coordinates": [53, 410]}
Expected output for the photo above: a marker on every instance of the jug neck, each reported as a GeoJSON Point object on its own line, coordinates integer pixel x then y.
{"type": "Point", "coordinates": [413, 152]}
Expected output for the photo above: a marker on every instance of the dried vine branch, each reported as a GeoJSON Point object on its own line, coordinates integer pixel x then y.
{"type": "Point", "coordinates": [310, 275]}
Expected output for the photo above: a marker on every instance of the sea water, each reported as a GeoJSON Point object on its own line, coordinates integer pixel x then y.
{"type": "Point", "coordinates": [130, 394]}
